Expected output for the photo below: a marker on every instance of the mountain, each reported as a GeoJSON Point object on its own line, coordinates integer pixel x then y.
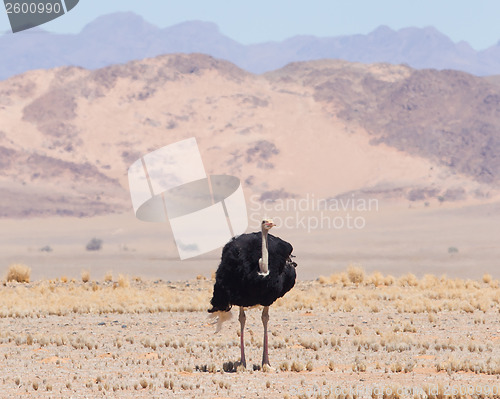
{"type": "Point", "coordinates": [122, 37]}
{"type": "Point", "coordinates": [324, 128]}
{"type": "Point", "coordinates": [447, 116]}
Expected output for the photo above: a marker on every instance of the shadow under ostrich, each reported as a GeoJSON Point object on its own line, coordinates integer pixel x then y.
{"type": "Point", "coordinates": [255, 269]}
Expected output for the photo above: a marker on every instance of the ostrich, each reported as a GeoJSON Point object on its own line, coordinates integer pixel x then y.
{"type": "Point", "coordinates": [255, 269]}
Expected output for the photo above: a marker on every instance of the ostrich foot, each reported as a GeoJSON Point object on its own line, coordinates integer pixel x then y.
{"type": "Point", "coordinates": [267, 368]}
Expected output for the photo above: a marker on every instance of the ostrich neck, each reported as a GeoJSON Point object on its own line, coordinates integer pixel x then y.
{"type": "Point", "coordinates": [265, 255]}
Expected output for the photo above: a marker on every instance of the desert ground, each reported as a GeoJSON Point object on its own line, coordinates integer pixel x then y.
{"type": "Point", "coordinates": [459, 240]}
{"type": "Point", "coordinates": [348, 332]}
{"type": "Point", "coordinates": [407, 307]}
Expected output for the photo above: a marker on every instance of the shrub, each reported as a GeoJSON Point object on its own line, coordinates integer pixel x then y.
{"type": "Point", "coordinates": [19, 272]}
{"type": "Point", "coordinates": [297, 367]}
{"type": "Point", "coordinates": [95, 244]}
{"type": "Point", "coordinates": [123, 281]}
{"type": "Point", "coordinates": [408, 280]}
{"type": "Point", "coordinates": [487, 278]}
{"type": "Point", "coordinates": [377, 279]}
{"type": "Point", "coordinates": [356, 274]}
{"type": "Point", "coordinates": [85, 276]}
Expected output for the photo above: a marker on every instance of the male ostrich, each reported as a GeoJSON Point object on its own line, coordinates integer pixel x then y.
{"type": "Point", "coordinates": [255, 269]}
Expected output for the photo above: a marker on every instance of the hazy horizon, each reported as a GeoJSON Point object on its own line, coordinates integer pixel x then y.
{"type": "Point", "coordinates": [258, 22]}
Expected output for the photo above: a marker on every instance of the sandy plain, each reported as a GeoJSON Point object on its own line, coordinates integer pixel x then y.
{"type": "Point", "coordinates": [424, 326]}
{"type": "Point", "coordinates": [413, 337]}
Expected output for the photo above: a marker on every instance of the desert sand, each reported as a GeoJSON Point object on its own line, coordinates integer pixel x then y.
{"type": "Point", "coordinates": [418, 309]}
{"type": "Point", "coordinates": [397, 238]}
{"type": "Point", "coordinates": [369, 334]}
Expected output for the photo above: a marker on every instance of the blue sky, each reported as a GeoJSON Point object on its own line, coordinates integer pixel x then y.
{"type": "Point", "coordinates": [477, 22]}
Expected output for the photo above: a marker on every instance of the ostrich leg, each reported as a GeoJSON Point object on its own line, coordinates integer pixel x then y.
{"type": "Point", "coordinates": [265, 319]}
{"type": "Point", "coordinates": [242, 319]}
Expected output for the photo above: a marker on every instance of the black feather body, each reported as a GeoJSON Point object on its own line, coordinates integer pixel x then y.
{"type": "Point", "coordinates": [237, 280]}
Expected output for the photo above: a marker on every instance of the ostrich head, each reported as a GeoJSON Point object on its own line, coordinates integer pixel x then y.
{"type": "Point", "coordinates": [267, 224]}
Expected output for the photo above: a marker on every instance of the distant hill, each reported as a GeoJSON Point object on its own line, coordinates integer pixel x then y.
{"type": "Point", "coordinates": [122, 37]}
{"type": "Point", "coordinates": [450, 117]}
{"type": "Point", "coordinates": [325, 128]}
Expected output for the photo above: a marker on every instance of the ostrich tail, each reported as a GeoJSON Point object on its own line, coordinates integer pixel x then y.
{"type": "Point", "coordinates": [218, 318]}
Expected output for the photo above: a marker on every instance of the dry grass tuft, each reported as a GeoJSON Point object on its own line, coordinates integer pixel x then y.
{"type": "Point", "coordinates": [408, 280]}
{"type": "Point", "coordinates": [355, 274]}
{"type": "Point", "coordinates": [297, 367]}
{"type": "Point", "coordinates": [377, 293]}
{"type": "Point", "coordinates": [377, 279]}
{"type": "Point", "coordinates": [19, 272]}
{"type": "Point", "coordinates": [284, 366]}
{"type": "Point", "coordinates": [389, 280]}
{"type": "Point", "coordinates": [85, 276]}
{"type": "Point", "coordinates": [123, 281]}
{"type": "Point", "coordinates": [323, 280]}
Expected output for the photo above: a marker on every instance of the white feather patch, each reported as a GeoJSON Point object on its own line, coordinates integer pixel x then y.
{"type": "Point", "coordinates": [219, 318]}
